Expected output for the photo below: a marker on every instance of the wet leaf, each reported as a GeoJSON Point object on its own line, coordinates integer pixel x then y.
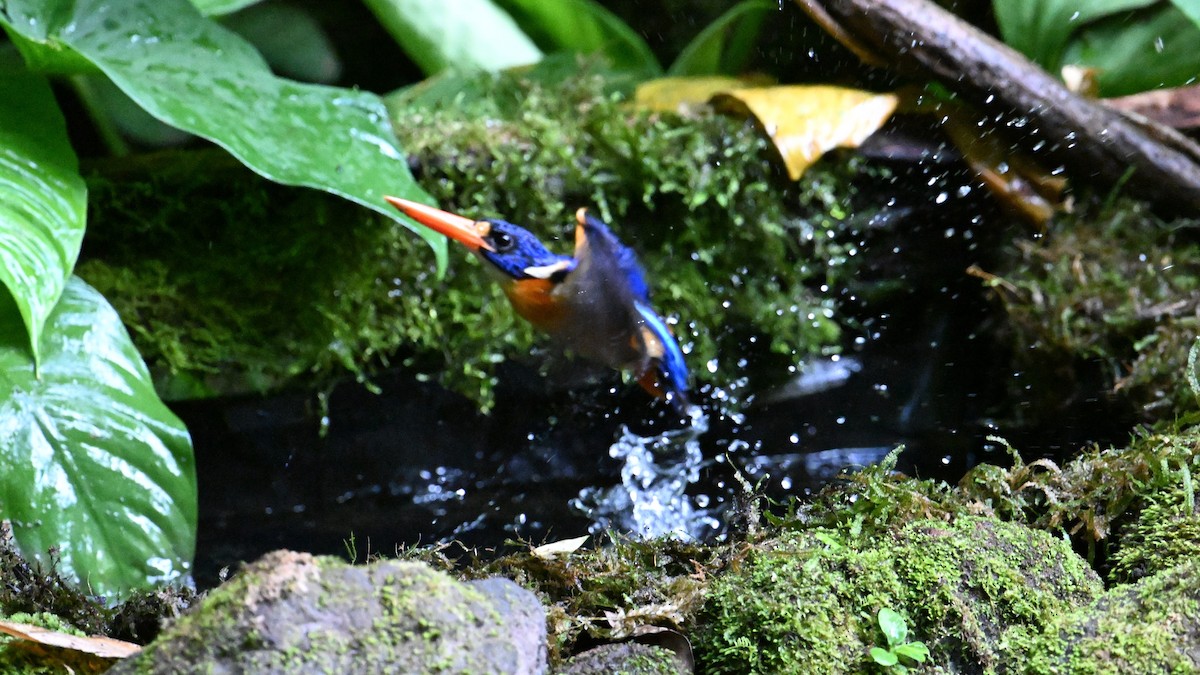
{"type": "Point", "coordinates": [106, 648]}
{"type": "Point", "coordinates": [1040, 29]}
{"type": "Point", "coordinates": [195, 75]}
{"type": "Point", "coordinates": [583, 27]}
{"type": "Point", "coordinates": [672, 94]}
{"type": "Point", "coordinates": [464, 34]}
{"type": "Point", "coordinates": [1190, 9]}
{"type": "Point", "coordinates": [893, 626]}
{"type": "Point", "coordinates": [42, 199]}
{"type": "Point", "coordinates": [1135, 45]}
{"type": "Point", "coordinates": [804, 122]}
{"type": "Point", "coordinates": [1015, 179]}
{"type": "Point", "coordinates": [883, 657]}
{"type": "Point", "coordinates": [917, 651]}
{"type": "Point", "coordinates": [559, 548]}
{"type": "Point", "coordinates": [219, 7]}
{"type": "Point", "coordinates": [1154, 48]}
{"type": "Point", "coordinates": [94, 465]}
{"type": "Point", "coordinates": [724, 46]}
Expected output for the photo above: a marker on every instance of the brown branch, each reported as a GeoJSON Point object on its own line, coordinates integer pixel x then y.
{"type": "Point", "coordinates": [1034, 110]}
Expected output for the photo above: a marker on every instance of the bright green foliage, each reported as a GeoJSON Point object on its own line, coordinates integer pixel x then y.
{"type": "Point", "coordinates": [197, 76]}
{"type": "Point", "coordinates": [463, 35]}
{"type": "Point", "coordinates": [42, 207]}
{"type": "Point", "coordinates": [584, 27]}
{"type": "Point", "coordinates": [899, 652]}
{"type": "Point", "coordinates": [1134, 45]}
{"type": "Point", "coordinates": [725, 46]}
{"type": "Point", "coordinates": [95, 465]}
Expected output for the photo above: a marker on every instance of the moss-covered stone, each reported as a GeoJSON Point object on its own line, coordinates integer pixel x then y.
{"type": "Point", "coordinates": [1152, 626]}
{"type": "Point", "coordinates": [292, 612]}
{"type": "Point", "coordinates": [627, 658]}
{"type": "Point", "coordinates": [808, 602]}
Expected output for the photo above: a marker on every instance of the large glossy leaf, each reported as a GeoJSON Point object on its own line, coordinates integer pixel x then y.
{"type": "Point", "coordinates": [1161, 48]}
{"type": "Point", "coordinates": [193, 74]}
{"type": "Point", "coordinates": [1040, 29]}
{"type": "Point", "coordinates": [584, 27]}
{"type": "Point", "coordinates": [219, 7]}
{"type": "Point", "coordinates": [724, 47]}
{"type": "Point", "coordinates": [463, 34]}
{"type": "Point", "coordinates": [91, 461]}
{"type": "Point", "coordinates": [42, 199]}
{"type": "Point", "coordinates": [1190, 9]}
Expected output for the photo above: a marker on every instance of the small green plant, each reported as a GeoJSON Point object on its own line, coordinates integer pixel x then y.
{"type": "Point", "coordinates": [898, 648]}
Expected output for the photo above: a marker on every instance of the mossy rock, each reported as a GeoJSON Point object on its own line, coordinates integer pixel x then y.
{"type": "Point", "coordinates": [1151, 626]}
{"type": "Point", "coordinates": [625, 658]}
{"type": "Point", "coordinates": [808, 602]}
{"type": "Point", "coordinates": [292, 612]}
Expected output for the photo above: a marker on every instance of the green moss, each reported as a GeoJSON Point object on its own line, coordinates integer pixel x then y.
{"type": "Point", "coordinates": [1151, 626]}
{"type": "Point", "coordinates": [1112, 285]}
{"type": "Point", "coordinates": [1165, 534]}
{"type": "Point", "coordinates": [231, 284]}
{"type": "Point", "coordinates": [807, 603]}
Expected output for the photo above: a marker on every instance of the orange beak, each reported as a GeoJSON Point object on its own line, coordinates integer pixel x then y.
{"type": "Point", "coordinates": [464, 230]}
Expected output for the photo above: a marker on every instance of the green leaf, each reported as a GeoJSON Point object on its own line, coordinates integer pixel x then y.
{"type": "Point", "coordinates": [584, 27]}
{"type": "Point", "coordinates": [883, 657]}
{"type": "Point", "coordinates": [219, 7]}
{"type": "Point", "coordinates": [91, 461]}
{"type": "Point", "coordinates": [1190, 9]}
{"type": "Point", "coordinates": [1041, 29]}
{"type": "Point", "coordinates": [195, 75]}
{"type": "Point", "coordinates": [464, 34]}
{"type": "Point", "coordinates": [43, 200]}
{"type": "Point", "coordinates": [724, 47]}
{"type": "Point", "coordinates": [1157, 49]}
{"type": "Point", "coordinates": [917, 651]}
{"type": "Point", "coordinates": [893, 626]}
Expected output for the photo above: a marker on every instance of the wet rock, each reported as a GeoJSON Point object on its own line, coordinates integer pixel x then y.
{"type": "Point", "coordinates": [624, 657]}
{"type": "Point", "coordinates": [293, 612]}
{"type": "Point", "coordinates": [1152, 626]}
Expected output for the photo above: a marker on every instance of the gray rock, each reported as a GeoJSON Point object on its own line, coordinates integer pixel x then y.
{"type": "Point", "coordinates": [627, 658]}
{"type": "Point", "coordinates": [291, 612]}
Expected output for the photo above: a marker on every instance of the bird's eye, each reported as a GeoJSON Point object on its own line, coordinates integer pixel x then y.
{"type": "Point", "coordinates": [502, 242]}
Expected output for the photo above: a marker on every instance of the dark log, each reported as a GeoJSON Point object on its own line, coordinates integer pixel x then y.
{"type": "Point", "coordinates": [1095, 144]}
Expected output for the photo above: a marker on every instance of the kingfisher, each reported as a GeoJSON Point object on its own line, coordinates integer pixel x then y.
{"type": "Point", "coordinates": [595, 303]}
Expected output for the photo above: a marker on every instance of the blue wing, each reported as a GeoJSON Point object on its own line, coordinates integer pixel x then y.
{"type": "Point", "coordinates": [668, 357]}
{"type": "Point", "coordinates": [604, 243]}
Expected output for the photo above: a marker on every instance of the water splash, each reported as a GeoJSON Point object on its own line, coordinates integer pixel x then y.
{"type": "Point", "coordinates": [651, 500]}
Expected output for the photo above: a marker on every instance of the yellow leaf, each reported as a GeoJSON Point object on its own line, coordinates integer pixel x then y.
{"type": "Point", "coordinates": [804, 122]}
{"type": "Point", "coordinates": [677, 94]}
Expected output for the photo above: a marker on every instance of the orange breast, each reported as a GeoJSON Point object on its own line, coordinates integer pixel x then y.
{"type": "Point", "coordinates": [531, 298]}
